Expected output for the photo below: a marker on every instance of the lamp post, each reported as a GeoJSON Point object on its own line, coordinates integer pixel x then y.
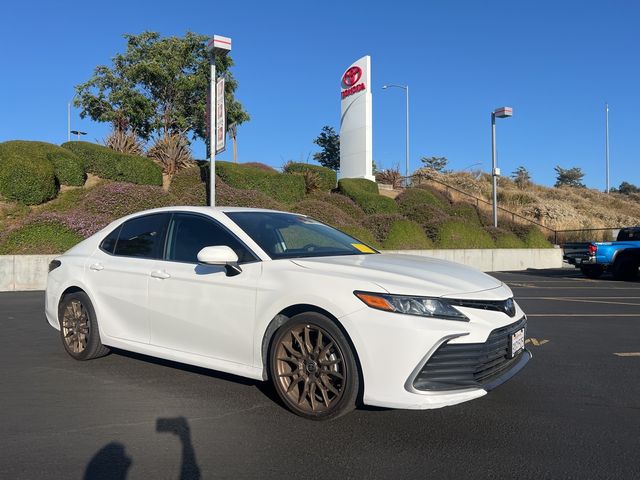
{"type": "Point", "coordinates": [606, 140]}
{"type": "Point", "coordinates": [502, 112]}
{"type": "Point", "coordinates": [78, 133]}
{"type": "Point", "coordinates": [406, 148]}
{"type": "Point", "coordinates": [217, 46]}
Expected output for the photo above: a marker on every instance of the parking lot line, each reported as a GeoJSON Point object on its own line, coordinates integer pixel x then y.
{"type": "Point", "coordinates": [580, 300]}
{"type": "Point", "coordinates": [627, 354]}
{"type": "Point", "coordinates": [637, 315]}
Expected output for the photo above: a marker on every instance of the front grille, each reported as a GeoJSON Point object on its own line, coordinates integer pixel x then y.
{"type": "Point", "coordinates": [455, 366]}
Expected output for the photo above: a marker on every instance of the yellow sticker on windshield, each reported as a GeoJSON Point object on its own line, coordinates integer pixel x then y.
{"type": "Point", "coordinates": [363, 248]}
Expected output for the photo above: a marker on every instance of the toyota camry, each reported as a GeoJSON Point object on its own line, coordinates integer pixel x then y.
{"type": "Point", "coordinates": [282, 297]}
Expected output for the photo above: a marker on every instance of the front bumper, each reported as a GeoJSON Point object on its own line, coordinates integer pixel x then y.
{"type": "Point", "coordinates": [394, 348]}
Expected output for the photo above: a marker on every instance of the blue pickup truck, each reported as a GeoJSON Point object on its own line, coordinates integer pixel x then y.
{"type": "Point", "coordinates": [621, 258]}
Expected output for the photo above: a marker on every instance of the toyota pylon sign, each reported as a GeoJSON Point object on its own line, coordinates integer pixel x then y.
{"type": "Point", "coordinates": [356, 141]}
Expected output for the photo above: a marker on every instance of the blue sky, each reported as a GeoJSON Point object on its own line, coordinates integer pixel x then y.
{"type": "Point", "coordinates": [554, 62]}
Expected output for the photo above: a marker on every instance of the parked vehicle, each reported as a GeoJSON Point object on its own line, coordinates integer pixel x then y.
{"type": "Point", "coordinates": [621, 258]}
{"type": "Point", "coordinates": [280, 296]}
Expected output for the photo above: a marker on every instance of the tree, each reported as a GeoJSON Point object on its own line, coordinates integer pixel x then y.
{"type": "Point", "coordinates": [627, 188]}
{"type": "Point", "coordinates": [569, 177]}
{"type": "Point", "coordinates": [435, 163]}
{"type": "Point", "coordinates": [521, 177]}
{"type": "Point", "coordinates": [159, 85]}
{"type": "Point", "coordinates": [329, 142]}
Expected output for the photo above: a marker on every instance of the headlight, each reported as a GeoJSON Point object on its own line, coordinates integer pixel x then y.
{"type": "Point", "coordinates": [420, 306]}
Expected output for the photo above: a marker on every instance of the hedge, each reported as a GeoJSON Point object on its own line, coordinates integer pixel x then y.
{"type": "Point", "coordinates": [327, 177]}
{"type": "Point", "coordinates": [365, 193]}
{"type": "Point", "coordinates": [380, 224]}
{"type": "Point", "coordinates": [68, 168]}
{"type": "Point", "coordinates": [117, 199]}
{"type": "Point", "coordinates": [281, 187]}
{"type": "Point", "coordinates": [413, 198]}
{"type": "Point", "coordinates": [189, 187]}
{"type": "Point", "coordinates": [405, 234]}
{"type": "Point", "coordinates": [429, 217]}
{"type": "Point", "coordinates": [39, 238]}
{"type": "Point", "coordinates": [459, 234]}
{"type": "Point", "coordinates": [465, 212]}
{"type": "Point", "coordinates": [107, 163]}
{"type": "Point", "coordinates": [343, 202]}
{"type": "Point", "coordinates": [236, 197]}
{"type": "Point", "coordinates": [324, 212]}
{"type": "Point", "coordinates": [504, 238]}
{"type": "Point", "coordinates": [26, 174]}
{"type": "Point", "coordinates": [361, 234]}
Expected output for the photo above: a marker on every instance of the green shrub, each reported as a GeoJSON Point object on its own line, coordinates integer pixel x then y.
{"type": "Point", "coordinates": [327, 177]}
{"type": "Point", "coordinates": [504, 238]}
{"type": "Point", "coordinates": [189, 187]}
{"type": "Point", "coordinates": [413, 198]}
{"type": "Point", "coordinates": [534, 238]}
{"type": "Point", "coordinates": [39, 238]}
{"type": "Point", "coordinates": [429, 217]}
{"type": "Point", "coordinates": [343, 202]}
{"type": "Point", "coordinates": [261, 166]}
{"type": "Point", "coordinates": [365, 193]}
{"type": "Point", "coordinates": [281, 187]}
{"type": "Point", "coordinates": [112, 165]}
{"type": "Point", "coordinates": [380, 224]}
{"type": "Point", "coordinates": [26, 174]}
{"type": "Point", "coordinates": [362, 235]}
{"type": "Point", "coordinates": [465, 212]}
{"type": "Point", "coordinates": [68, 168]}
{"type": "Point", "coordinates": [324, 212]}
{"type": "Point", "coordinates": [236, 197]}
{"type": "Point", "coordinates": [459, 234]}
{"type": "Point", "coordinates": [407, 235]}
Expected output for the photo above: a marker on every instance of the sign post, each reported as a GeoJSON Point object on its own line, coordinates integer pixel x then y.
{"type": "Point", "coordinates": [217, 46]}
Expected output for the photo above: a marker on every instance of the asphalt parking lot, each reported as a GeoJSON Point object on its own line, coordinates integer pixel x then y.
{"type": "Point", "coordinates": [573, 412]}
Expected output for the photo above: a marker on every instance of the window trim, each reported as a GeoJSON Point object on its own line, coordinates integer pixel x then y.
{"type": "Point", "coordinates": [165, 252]}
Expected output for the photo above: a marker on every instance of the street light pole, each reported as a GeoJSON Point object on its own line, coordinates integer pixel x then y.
{"type": "Point", "coordinates": [606, 140]}
{"type": "Point", "coordinates": [406, 146]}
{"type": "Point", "coordinates": [68, 121]}
{"type": "Point", "coordinates": [502, 112]}
{"type": "Point", "coordinates": [217, 46]}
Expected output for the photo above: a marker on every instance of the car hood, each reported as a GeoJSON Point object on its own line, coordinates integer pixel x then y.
{"type": "Point", "coordinates": [411, 275]}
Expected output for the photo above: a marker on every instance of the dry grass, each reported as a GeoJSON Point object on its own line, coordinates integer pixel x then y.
{"type": "Point", "coordinates": [557, 208]}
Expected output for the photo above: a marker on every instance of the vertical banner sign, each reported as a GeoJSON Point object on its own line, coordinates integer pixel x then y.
{"type": "Point", "coordinates": [356, 142]}
{"type": "Point", "coordinates": [221, 120]}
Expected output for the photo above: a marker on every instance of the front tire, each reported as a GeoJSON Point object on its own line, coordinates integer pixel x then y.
{"type": "Point", "coordinates": [79, 327]}
{"type": "Point", "coordinates": [313, 367]}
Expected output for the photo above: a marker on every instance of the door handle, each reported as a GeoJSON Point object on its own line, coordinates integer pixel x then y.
{"type": "Point", "coordinates": [96, 266]}
{"type": "Point", "coordinates": [161, 274]}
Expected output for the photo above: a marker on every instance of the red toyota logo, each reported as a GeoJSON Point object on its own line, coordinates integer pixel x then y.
{"type": "Point", "coordinates": [351, 77]}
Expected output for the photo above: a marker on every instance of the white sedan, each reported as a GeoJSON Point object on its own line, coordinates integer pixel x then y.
{"type": "Point", "coordinates": [279, 296]}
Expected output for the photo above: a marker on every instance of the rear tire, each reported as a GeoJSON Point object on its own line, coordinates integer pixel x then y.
{"type": "Point", "coordinates": [79, 327]}
{"type": "Point", "coordinates": [313, 367]}
{"type": "Point", "coordinates": [592, 271]}
{"type": "Point", "coordinates": [625, 268]}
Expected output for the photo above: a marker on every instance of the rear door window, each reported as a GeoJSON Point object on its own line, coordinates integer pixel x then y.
{"type": "Point", "coordinates": [142, 237]}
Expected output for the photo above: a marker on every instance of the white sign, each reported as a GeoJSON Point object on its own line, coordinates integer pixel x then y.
{"type": "Point", "coordinates": [218, 42]}
{"type": "Point", "coordinates": [221, 120]}
{"type": "Point", "coordinates": [356, 138]}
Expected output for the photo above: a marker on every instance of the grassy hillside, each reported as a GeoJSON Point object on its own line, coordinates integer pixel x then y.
{"type": "Point", "coordinates": [419, 218]}
{"type": "Point", "coordinates": [563, 208]}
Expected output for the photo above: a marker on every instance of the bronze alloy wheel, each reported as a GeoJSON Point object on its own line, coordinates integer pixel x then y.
{"type": "Point", "coordinates": [313, 368]}
{"type": "Point", "coordinates": [78, 327]}
{"type": "Point", "coordinates": [75, 326]}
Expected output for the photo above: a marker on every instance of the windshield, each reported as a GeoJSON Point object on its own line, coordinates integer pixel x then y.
{"type": "Point", "coordinates": [284, 235]}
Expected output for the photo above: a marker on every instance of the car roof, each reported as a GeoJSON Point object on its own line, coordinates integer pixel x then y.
{"type": "Point", "coordinates": [209, 210]}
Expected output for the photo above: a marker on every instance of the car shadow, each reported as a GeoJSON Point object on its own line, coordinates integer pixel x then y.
{"type": "Point", "coordinates": [263, 387]}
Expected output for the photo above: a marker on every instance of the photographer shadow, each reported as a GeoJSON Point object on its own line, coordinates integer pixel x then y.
{"type": "Point", "coordinates": [111, 462]}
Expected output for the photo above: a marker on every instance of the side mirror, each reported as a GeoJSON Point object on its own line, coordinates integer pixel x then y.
{"type": "Point", "coordinates": [220, 255]}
